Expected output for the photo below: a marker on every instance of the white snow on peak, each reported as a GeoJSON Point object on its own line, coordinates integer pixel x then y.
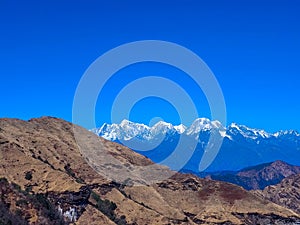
{"type": "Point", "coordinates": [217, 124]}
{"type": "Point", "coordinates": [262, 133]}
{"type": "Point", "coordinates": [107, 131]}
{"type": "Point", "coordinates": [277, 134]}
{"type": "Point", "coordinates": [224, 134]}
{"type": "Point", "coordinates": [286, 132]}
{"type": "Point", "coordinates": [201, 124]}
{"type": "Point", "coordinates": [180, 128]}
{"type": "Point", "coordinates": [161, 127]}
{"type": "Point", "coordinates": [249, 132]}
{"type": "Point", "coordinates": [125, 122]}
{"type": "Point", "coordinates": [236, 126]}
{"type": "Point", "coordinates": [163, 124]}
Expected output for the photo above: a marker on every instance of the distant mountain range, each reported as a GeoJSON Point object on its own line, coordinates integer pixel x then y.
{"type": "Point", "coordinates": [242, 146]}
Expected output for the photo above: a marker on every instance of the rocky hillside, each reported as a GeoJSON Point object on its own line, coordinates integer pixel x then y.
{"type": "Point", "coordinates": [260, 176]}
{"type": "Point", "coordinates": [46, 180]}
{"type": "Point", "coordinates": [286, 193]}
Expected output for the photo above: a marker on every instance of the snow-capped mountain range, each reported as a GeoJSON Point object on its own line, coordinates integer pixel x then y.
{"type": "Point", "coordinates": [127, 130]}
{"type": "Point", "coordinates": [242, 146]}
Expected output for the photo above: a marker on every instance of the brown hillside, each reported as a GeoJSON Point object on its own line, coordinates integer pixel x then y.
{"type": "Point", "coordinates": [286, 193]}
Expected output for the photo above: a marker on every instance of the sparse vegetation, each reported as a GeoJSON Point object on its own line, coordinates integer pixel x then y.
{"type": "Point", "coordinates": [21, 202]}
{"type": "Point", "coordinates": [3, 179]}
{"type": "Point", "coordinates": [25, 201]}
{"type": "Point", "coordinates": [28, 188]}
{"type": "Point", "coordinates": [71, 173]}
{"type": "Point", "coordinates": [28, 175]}
{"type": "Point", "coordinates": [69, 170]}
{"type": "Point", "coordinates": [16, 186]}
{"type": "Point", "coordinates": [107, 208]}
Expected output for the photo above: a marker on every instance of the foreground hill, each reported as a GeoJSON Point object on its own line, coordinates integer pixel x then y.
{"type": "Point", "coordinates": [46, 180]}
{"type": "Point", "coordinates": [260, 176]}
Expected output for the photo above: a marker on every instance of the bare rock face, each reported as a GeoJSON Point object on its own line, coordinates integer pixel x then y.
{"type": "Point", "coordinates": [286, 193]}
{"type": "Point", "coordinates": [47, 180]}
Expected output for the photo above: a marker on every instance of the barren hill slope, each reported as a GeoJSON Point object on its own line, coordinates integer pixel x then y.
{"type": "Point", "coordinates": [49, 181]}
{"type": "Point", "coordinates": [286, 193]}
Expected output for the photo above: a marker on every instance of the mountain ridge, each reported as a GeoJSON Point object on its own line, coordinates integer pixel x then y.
{"type": "Point", "coordinates": [285, 193]}
{"type": "Point", "coordinates": [259, 176]}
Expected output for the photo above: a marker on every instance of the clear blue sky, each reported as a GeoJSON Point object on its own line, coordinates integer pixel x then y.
{"type": "Point", "coordinates": [253, 48]}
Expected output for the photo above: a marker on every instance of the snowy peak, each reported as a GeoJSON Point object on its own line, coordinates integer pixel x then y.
{"type": "Point", "coordinates": [286, 133]}
{"type": "Point", "coordinates": [180, 128]}
{"type": "Point", "coordinates": [134, 127]}
{"type": "Point", "coordinates": [127, 130]}
{"type": "Point", "coordinates": [163, 126]}
{"type": "Point", "coordinates": [202, 124]}
{"type": "Point", "coordinates": [247, 132]}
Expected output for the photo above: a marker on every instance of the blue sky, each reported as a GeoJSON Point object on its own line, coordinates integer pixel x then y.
{"type": "Point", "coordinates": [253, 48]}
